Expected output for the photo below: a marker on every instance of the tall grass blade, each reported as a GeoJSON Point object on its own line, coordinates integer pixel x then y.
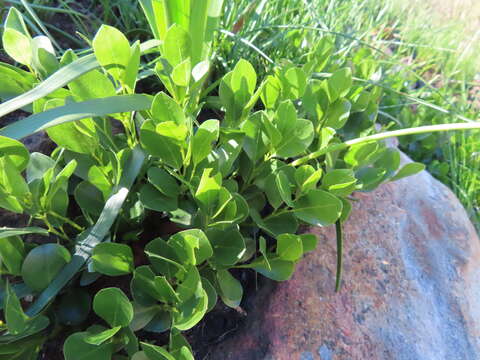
{"type": "Point", "coordinates": [154, 11]}
{"type": "Point", "coordinates": [56, 81]}
{"type": "Point", "coordinates": [7, 231]}
{"type": "Point", "coordinates": [76, 111]}
{"type": "Point", "coordinates": [39, 23]}
{"type": "Point", "coordinates": [59, 79]}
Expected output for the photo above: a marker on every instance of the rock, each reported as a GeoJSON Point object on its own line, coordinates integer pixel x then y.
{"type": "Point", "coordinates": [410, 291]}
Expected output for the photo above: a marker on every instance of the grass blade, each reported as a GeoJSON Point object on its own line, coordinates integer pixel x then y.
{"type": "Point", "coordinates": [39, 23]}
{"type": "Point", "coordinates": [7, 231]}
{"type": "Point", "coordinates": [56, 81]}
{"type": "Point", "coordinates": [76, 111]}
{"type": "Point", "coordinates": [59, 79]}
{"type": "Point", "coordinates": [386, 135]}
{"type": "Point", "coordinates": [155, 13]}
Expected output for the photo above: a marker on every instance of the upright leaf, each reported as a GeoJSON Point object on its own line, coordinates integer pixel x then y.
{"type": "Point", "coordinates": [12, 253]}
{"type": "Point", "coordinates": [16, 39]}
{"type": "Point", "coordinates": [202, 142]}
{"type": "Point", "coordinates": [16, 151]}
{"type": "Point", "coordinates": [14, 315]}
{"type": "Point", "coordinates": [112, 51]}
{"type": "Point", "coordinates": [231, 290]}
{"type": "Point", "coordinates": [177, 45]}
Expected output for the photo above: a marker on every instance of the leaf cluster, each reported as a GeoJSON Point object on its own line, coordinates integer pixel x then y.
{"type": "Point", "coordinates": [228, 164]}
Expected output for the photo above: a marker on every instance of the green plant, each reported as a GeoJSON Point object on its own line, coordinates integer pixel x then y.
{"type": "Point", "coordinates": [287, 150]}
{"type": "Point", "coordinates": [428, 66]}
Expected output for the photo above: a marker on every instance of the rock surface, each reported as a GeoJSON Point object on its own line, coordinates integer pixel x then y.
{"type": "Point", "coordinates": [411, 287]}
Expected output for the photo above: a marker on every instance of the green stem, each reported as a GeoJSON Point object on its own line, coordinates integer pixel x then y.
{"type": "Point", "coordinates": [67, 220]}
{"type": "Point", "coordinates": [52, 230]}
{"type": "Point", "coordinates": [278, 213]}
{"type": "Point", "coordinates": [386, 135]}
{"type": "Point", "coordinates": [339, 232]}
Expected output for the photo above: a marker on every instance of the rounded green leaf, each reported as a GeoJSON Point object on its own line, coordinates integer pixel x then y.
{"type": "Point", "coordinates": [163, 181]}
{"type": "Point", "coordinates": [12, 253]}
{"type": "Point", "coordinates": [338, 113]}
{"type": "Point", "coordinates": [89, 198]}
{"type": "Point", "coordinates": [161, 322]}
{"type": "Point", "coordinates": [112, 50]}
{"type": "Point", "coordinates": [228, 245]}
{"type": "Point", "coordinates": [166, 141]}
{"type": "Point", "coordinates": [279, 224]}
{"type": "Point", "coordinates": [192, 246]}
{"type": "Point", "coordinates": [16, 38]}
{"type": "Point", "coordinates": [112, 259]}
{"type": "Point", "coordinates": [211, 293]}
{"type": "Point", "coordinates": [289, 247]}
{"type": "Point", "coordinates": [163, 257]}
{"type": "Point", "coordinates": [154, 352]}
{"type": "Point", "coordinates": [284, 187]}
{"type": "Point", "coordinates": [16, 151]}
{"type": "Point", "coordinates": [191, 311]}
{"type": "Point", "coordinates": [113, 306]}
{"type": "Point", "coordinates": [153, 199]}
{"type": "Point", "coordinates": [294, 82]}
{"type": "Point", "coordinates": [309, 242]}
{"type": "Point", "coordinates": [307, 177]}
{"type": "Point", "coordinates": [42, 264]}
{"type": "Point", "coordinates": [14, 315]}
{"type": "Point", "coordinates": [164, 108]}
{"type": "Point", "coordinates": [298, 141]}
{"type": "Point", "coordinates": [142, 286]}
{"type": "Point", "coordinates": [76, 348]}
{"type": "Point", "coordinates": [177, 46]}
{"type": "Point", "coordinates": [101, 335]}
{"type": "Point", "coordinates": [231, 290]}
{"type": "Point", "coordinates": [74, 307]}
{"type": "Point", "coordinates": [279, 270]}
{"type": "Point", "coordinates": [408, 170]}
{"type": "Point", "coordinates": [338, 85]}
{"type": "Point", "coordinates": [181, 73]}
{"type": "Point", "coordinates": [206, 134]}
{"type": "Point", "coordinates": [142, 315]}
{"type": "Point", "coordinates": [318, 207]}
{"type": "Point", "coordinates": [271, 91]}
{"type": "Point", "coordinates": [18, 46]}
{"type": "Point", "coordinates": [340, 182]}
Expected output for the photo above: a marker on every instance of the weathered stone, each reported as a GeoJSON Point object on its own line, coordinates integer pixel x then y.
{"type": "Point", "coordinates": [411, 287]}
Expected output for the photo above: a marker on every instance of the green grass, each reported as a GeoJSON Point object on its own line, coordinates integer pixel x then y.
{"type": "Point", "coordinates": [429, 59]}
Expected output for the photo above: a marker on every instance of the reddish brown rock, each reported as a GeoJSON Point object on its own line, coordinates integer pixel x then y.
{"type": "Point", "coordinates": [411, 287]}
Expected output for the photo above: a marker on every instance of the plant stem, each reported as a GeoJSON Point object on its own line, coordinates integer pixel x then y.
{"type": "Point", "coordinates": [386, 135]}
{"type": "Point", "coordinates": [67, 220]}
{"type": "Point", "coordinates": [339, 235]}
{"type": "Point", "coordinates": [52, 230]}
